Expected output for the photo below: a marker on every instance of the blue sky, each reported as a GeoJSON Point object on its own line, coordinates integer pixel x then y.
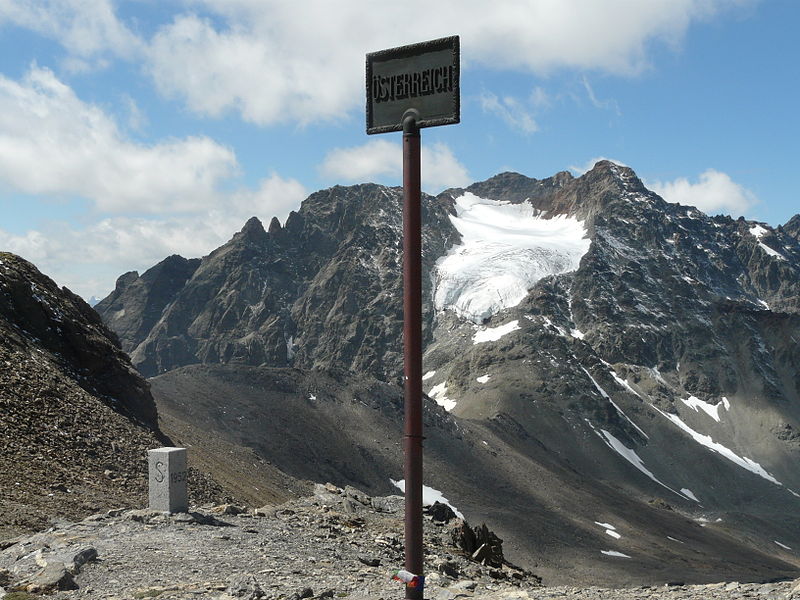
{"type": "Point", "coordinates": [131, 130]}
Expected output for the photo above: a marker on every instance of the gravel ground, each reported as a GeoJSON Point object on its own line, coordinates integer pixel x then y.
{"type": "Point", "coordinates": [335, 544]}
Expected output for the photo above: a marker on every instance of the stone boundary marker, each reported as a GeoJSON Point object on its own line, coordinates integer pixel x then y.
{"type": "Point", "coordinates": [167, 479]}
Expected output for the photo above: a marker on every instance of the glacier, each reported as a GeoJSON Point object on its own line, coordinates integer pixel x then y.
{"type": "Point", "coordinates": [505, 249]}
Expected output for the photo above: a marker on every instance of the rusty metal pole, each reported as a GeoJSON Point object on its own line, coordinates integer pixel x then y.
{"type": "Point", "coordinates": [412, 348]}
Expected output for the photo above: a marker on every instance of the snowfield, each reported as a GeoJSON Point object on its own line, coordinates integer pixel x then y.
{"type": "Point", "coordinates": [505, 249]}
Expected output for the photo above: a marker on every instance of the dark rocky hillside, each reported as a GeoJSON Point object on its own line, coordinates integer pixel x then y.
{"type": "Point", "coordinates": [320, 291]}
{"type": "Point", "coordinates": [318, 425]}
{"type": "Point", "coordinates": [592, 351]}
{"type": "Point", "coordinates": [75, 418]}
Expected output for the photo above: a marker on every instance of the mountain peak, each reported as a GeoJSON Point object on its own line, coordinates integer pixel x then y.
{"type": "Point", "coordinates": [274, 225]}
{"type": "Point", "coordinates": [792, 226]}
{"type": "Point", "coordinates": [253, 230]}
{"type": "Point", "coordinates": [253, 226]}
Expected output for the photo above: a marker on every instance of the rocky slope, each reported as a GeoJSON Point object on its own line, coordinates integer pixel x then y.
{"type": "Point", "coordinates": [338, 543]}
{"type": "Point", "coordinates": [75, 418]}
{"type": "Point", "coordinates": [601, 353]}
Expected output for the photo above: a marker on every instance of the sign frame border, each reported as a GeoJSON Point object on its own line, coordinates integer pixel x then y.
{"type": "Point", "coordinates": [445, 43]}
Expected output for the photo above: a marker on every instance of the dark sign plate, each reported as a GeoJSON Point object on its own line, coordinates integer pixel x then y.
{"type": "Point", "coordinates": [422, 76]}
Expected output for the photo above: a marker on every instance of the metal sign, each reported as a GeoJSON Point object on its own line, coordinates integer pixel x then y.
{"type": "Point", "coordinates": [423, 77]}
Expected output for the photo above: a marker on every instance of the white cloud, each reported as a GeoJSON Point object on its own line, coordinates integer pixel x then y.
{"type": "Point", "coordinates": [51, 142]}
{"type": "Point", "coordinates": [589, 165]}
{"type": "Point", "coordinates": [377, 158]}
{"type": "Point", "coordinates": [274, 61]}
{"type": "Point", "coordinates": [105, 249]}
{"type": "Point", "coordinates": [713, 193]}
{"type": "Point", "coordinates": [86, 28]}
{"type": "Point", "coordinates": [382, 160]}
{"type": "Point", "coordinates": [609, 104]}
{"type": "Point", "coordinates": [510, 110]}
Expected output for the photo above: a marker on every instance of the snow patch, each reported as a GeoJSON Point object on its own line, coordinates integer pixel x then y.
{"type": "Point", "coordinates": [439, 394]}
{"type": "Point", "coordinates": [614, 553]}
{"type": "Point", "coordinates": [614, 404]}
{"type": "Point", "coordinates": [596, 385]}
{"type": "Point", "coordinates": [428, 375]}
{"type": "Point", "coordinates": [492, 334]}
{"type": "Point", "coordinates": [688, 493]}
{"type": "Point", "coordinates": [505, 249]}
{"type": "Point", "coordinates": [629, 455]}
{"type": "Point", "coordinates": [483, 378]}
{"type": "Point", "coordinates": [577, 333]}
{"type": "Point", "coordinates": [757, 231]}
{"type": "Point", "coordinates": [709, 443]}
{"type": "Point", "coordinates": [610, 529]}
{"type": "Point", "coordinates": [623, 382]}
{"type": "Point", "coordinates": [712, 410]}
{"type": "Point", "coordinates": [785, 547]}
{"type": "Point", "coordinates": [429, 496]}
{"type": "Point", "coordinates": [771, 252]}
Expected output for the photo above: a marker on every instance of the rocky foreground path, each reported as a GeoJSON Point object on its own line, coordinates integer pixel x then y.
{"type": "Point", "coordinates": [336, 544]}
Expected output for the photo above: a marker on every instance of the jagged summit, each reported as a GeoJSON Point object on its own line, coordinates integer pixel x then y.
{"type": "Point", "coordinates": [792, 226]}
{"type": "Point", "coordinates": [253, 230]}
{"type": "Point", "coordinates": [274, 226]}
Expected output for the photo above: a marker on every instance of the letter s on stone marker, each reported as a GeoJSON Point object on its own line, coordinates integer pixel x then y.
{"type": "Point", "coordinates": [159, 476]}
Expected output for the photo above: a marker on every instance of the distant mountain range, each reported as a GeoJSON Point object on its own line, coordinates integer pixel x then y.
{"type": "Point", "coordinates": [613, 381]}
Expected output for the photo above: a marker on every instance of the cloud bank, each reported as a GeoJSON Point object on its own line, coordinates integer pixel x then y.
{"type": "Point", "coordinates": [273, 61]}
{"type": "Point", "coordinates": [714, 193]}
{"type": "Point", "coordinates": [382, 160]}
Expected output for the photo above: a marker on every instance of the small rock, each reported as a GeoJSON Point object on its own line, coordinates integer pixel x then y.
{"type": "Point", "coordinates": [303, 593]}
{"type": "Point", "coordinates": [142, 515]}
{"type": "Point", "coordinates": [265, 511]}
{"type": "Point", "coordinates": [54, 577]}
{"type": "Point", "coordinates": [227, 509]}
{"type": "Point", "coordinates": [466, 585]}
{"type": "Point", "coordinates": [450, 569]}
{"type": "Point", "coordinates": [440, 513]}
{"type": "Point", "coordinates": [5, 577]}
{"type": "Point", "coordinates": [86, 555]}
{"type": "Point", "coordinates": [389, 504]}
{"type": "Point", "coordinates": [245, 587]}
{"type": "Point", "coordinates": [357, 495]}
{"type": "Point", "coordinates": [369, 561]}
{"type": "Point", "coordinates": [349, 507]}
{"type": "Point", "coordinates": [184, 518]}
{"type": "Point", "coordinates": [733, 585]}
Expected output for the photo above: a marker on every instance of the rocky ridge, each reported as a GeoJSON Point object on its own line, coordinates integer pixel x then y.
{"type": "Point", "coordinates": [338, 543]}
{"type": "Point", "coordinates": [75, 418]}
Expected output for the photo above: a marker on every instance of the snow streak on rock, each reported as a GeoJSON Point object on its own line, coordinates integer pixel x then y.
{"type": "Point", "coordinates": [492, 334]}
{"type": "Point", "coordinates": [429, 496]}
{"type": "Point", "coordinates": [439, 394]}
{"type": "Point", "coordinates": [505, 249]}
{"type": "Point", "coordinates": [705, 440]}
